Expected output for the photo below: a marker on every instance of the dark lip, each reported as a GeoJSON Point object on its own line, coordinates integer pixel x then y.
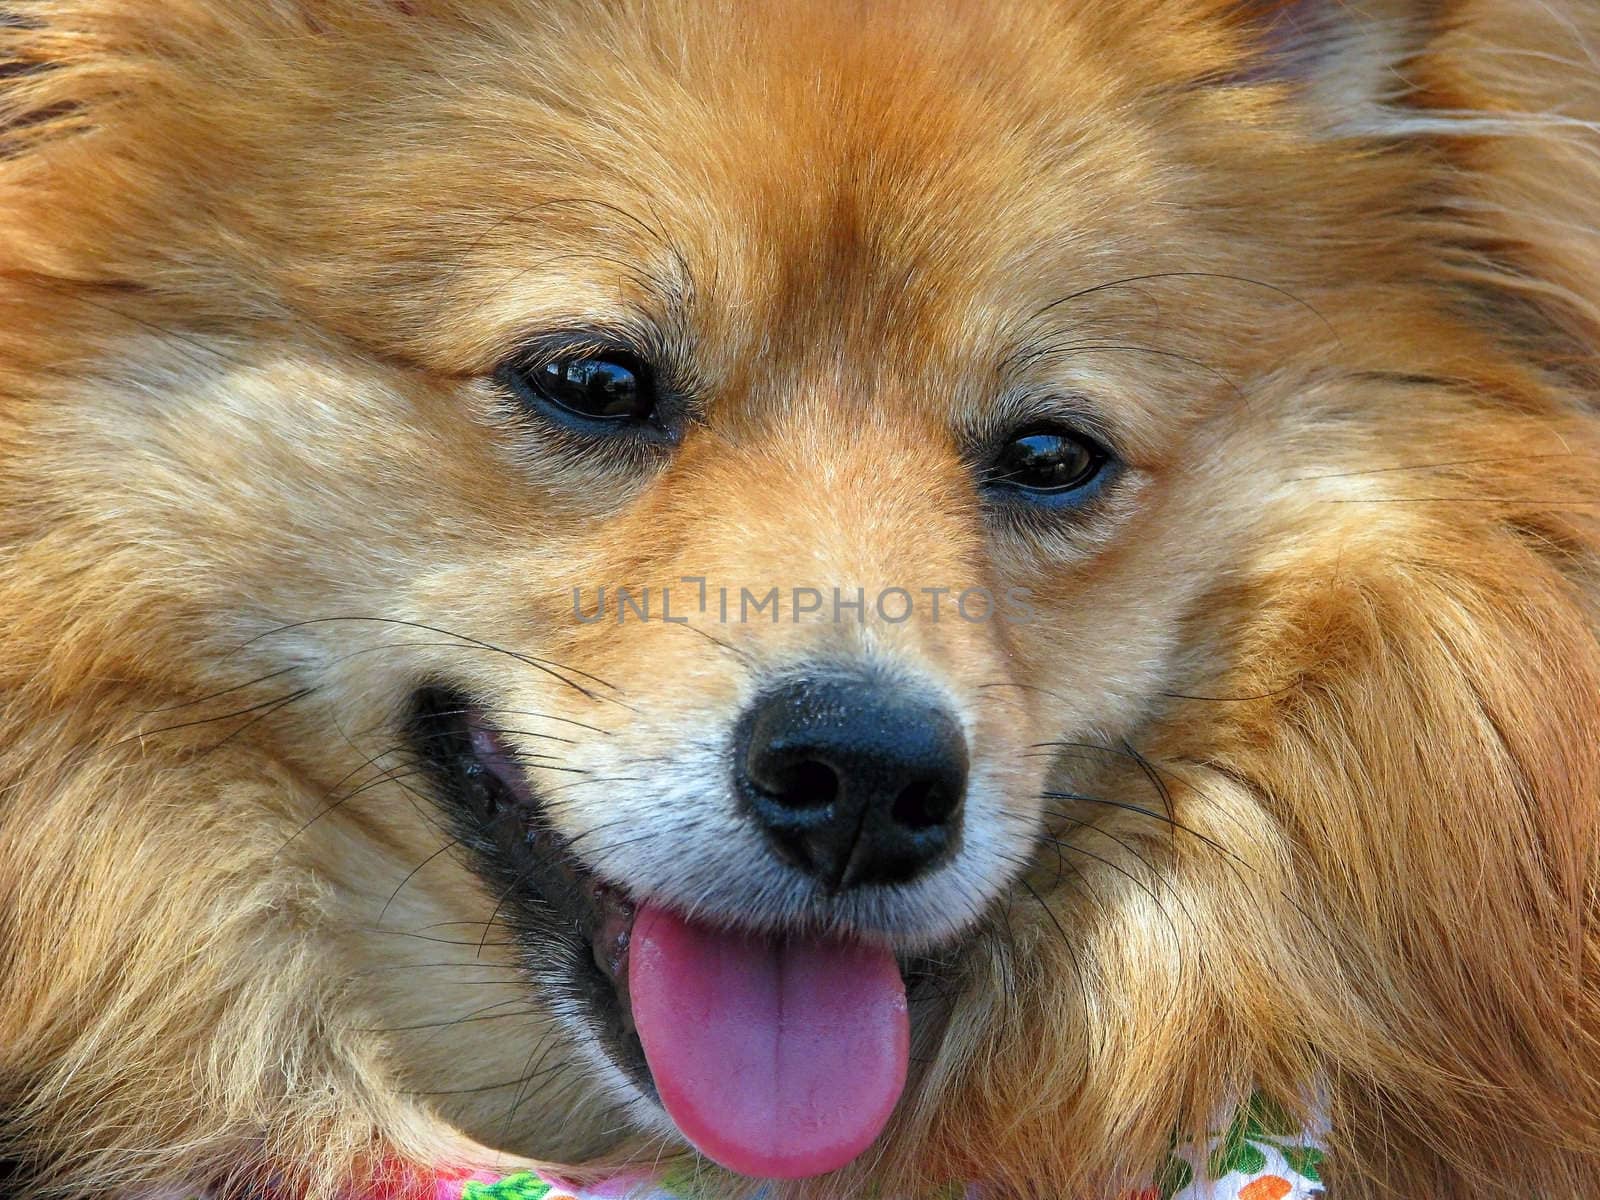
{"type": "Point", "coordinates": [563, 915]}
{"type": "Point", "coordinates": [573, 927]}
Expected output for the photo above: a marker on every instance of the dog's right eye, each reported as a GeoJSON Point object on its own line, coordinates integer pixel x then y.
{"type": "Point", "coordinates": [595, 392]}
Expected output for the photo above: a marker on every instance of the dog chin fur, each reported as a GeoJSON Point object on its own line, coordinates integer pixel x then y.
{"type": "Point", "coordinates": [1309, 720]}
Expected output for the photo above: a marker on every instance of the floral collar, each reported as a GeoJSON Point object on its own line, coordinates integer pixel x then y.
{"type": "Point", "coordinates": [1258, 1155]}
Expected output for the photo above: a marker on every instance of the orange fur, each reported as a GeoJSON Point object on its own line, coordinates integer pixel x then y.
{"type": "Point", "coordinates": [1337, 637]}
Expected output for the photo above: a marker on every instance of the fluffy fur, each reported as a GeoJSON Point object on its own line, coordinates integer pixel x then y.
{"type": "Point", "coordinates": [1311, 715]}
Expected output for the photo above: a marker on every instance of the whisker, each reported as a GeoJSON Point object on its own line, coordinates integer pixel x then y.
{"type": "Point", "coordinates": [228, 691]}
{"type": "Point", "coordinates": [1139, 810]}
{"type": "Point", "coordinates": [446, 735]}
{"type": "Point", "coordinates": [1066, 941]}
{"type": "Point", "coordinates": [385, 776]}
{"type": "Point", "coordinates": [1436, 466]}
{"type": "Point", "coordinates": [411, 874]}
{"type": "Point", "coordinates": [546, 793]}
{"type": "Point", "coordinates": [276, 701]}
{"type": "Point", "coordinates": [743, 655]}
{"type": "Point", "coordinates": [440, 941]}
{"type": "Point", "coordinates": [471, 1091]}
{"type": "Point", "coordinates": [1283, 691]}
{"type": "Point", "coordinates": [526, 712]}
{"type": "Point", "coordinates": [1112, 348]}
{"type": "Point", "coordinates": [284, 703]}
{"type": "Point", "coordinates": [1024, 687]}
{"type": "Point", "coordinates": [422, 805]}
{"type": "Point", "coordinates": [1535, 501]}
{"type": "Point", "coordinates": [1150, 773]}
{"type": "Point", "coordinates": [477, 1014]}
{"type": "Point", "coordinates": [471, 965]}
{"type": "Point", "coordinates": [545, 666]}
{"type": "Point", "coordinates": [530, 1071]}
{"type": "Point", "coordinates": [517, 882]}
{"type": "Point", "coordinates": [1075, 848]}
{"type": "Point", "coordinates": [600, 856]}
{"type": "Point", "coordinates": [1157, 276]}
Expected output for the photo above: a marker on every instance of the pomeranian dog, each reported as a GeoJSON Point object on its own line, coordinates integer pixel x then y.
{"type": "Point", "coordinates": [891, 592]}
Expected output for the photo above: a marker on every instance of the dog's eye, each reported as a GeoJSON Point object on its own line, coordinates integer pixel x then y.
{"type": "Point", "coordinates": [599, 390]}
{"type": "Point", "coordinates": [1049, 465]}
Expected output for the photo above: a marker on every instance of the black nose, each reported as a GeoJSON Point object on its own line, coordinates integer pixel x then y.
{"type": "Point", "coordinates": [854, 781]}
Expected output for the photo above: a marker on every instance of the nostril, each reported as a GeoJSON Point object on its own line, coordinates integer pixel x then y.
{"type": "Point", "coordinates": [809, 784]}
{"type": "Point", "coordinates": [923, 805]}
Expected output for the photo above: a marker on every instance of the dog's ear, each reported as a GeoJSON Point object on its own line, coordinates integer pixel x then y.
{"type": "Point", "coordinates": [1348, 59]}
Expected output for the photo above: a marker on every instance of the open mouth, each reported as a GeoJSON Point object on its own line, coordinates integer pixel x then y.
{"type": "Point", "coordinates": [778, 1055]}
{"type": "Point", "coordinates": [542, 888]}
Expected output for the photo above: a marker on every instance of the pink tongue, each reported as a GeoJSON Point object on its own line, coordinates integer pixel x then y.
{"type": "Point", "coordinates": [779, 1059]}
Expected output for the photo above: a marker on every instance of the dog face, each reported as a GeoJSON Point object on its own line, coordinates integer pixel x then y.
{"type": "Point", "coordinates": [890, 484]}
{"type": "Point", "coordinates": [949, 349]}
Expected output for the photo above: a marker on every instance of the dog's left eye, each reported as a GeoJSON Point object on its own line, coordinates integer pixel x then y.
{"type": "Point", "coordinates": [1048, 465]}
{"type": "Point", "coordinates": [596, 391]}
